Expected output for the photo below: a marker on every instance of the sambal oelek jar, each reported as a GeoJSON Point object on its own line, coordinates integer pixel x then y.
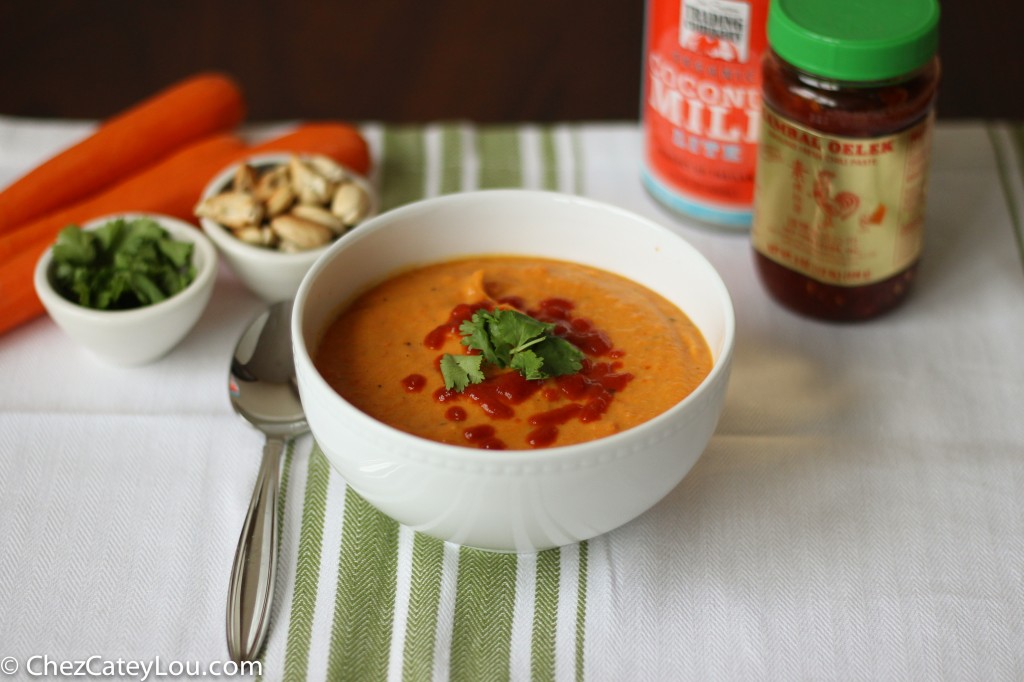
{"type": "Point", "coordinates": [848, 88]}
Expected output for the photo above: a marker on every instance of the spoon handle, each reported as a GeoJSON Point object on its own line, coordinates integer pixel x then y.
{"type": "Point", "coordinates": [251, 589]}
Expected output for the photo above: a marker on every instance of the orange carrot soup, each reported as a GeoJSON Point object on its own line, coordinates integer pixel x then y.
{"type": "Point", "coordinates": [512, 352]}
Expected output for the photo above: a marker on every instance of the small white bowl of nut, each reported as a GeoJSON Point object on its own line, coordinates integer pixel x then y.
{"type": "Point", "coordinates": [272, 215]}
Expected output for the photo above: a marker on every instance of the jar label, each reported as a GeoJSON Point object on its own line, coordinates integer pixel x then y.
{"type": "Point", "coordinates": [702, 97]}
{"type": "Point", "coordinates": [842, 210]}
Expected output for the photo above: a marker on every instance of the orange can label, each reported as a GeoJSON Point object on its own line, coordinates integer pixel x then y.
{"type": "Point", "coordinates": [702, 99]}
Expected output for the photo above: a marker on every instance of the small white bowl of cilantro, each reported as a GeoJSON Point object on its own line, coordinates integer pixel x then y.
{"type": "Point", "coordinates": [127, 287]}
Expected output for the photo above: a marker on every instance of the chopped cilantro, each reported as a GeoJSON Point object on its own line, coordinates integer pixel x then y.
{"type": "Point", "coordinates": [120, 265]}
{"type": "Point", "coordinates": [509, 339]}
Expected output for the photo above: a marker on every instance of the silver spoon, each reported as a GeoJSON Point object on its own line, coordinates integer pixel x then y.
{"type": "Point", "coordinates": [263, 392]}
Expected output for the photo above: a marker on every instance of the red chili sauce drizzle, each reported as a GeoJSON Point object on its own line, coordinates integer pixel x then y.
{"type": "Point", "coordinates": [455, 414]}
{"type": "Point", "coordinates": [414, 383]}
{"type": "Point", "coordinates": [590, 391]}
{"type": "Point", "coordinates": [460, 313]}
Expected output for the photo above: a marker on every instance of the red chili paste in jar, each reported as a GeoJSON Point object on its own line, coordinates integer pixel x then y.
{"type": "Point", "coordinates": [848, 90]}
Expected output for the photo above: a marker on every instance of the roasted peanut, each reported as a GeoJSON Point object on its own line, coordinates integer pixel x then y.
{"type": "Point", "coordinates": [350, 203]}
{"type": "Point", "coordinates": [280, 201]}
{"type": "Point", "coordinates": [257, 236]}
{"type": "Point", "coordinates": [309, 186]}
{"type": "Point", "coordinates": [320, 215]}
{"type": "Point", "coordinates": [270, 181]}
{"type": "Point", "coordinates": [233, 209]}
{"type": "Point", "coordinates": [245, 179]}
{"type": "Point", "coordinates": [327, 167]}
{"type": "Point", "coordinates": [303, 233]}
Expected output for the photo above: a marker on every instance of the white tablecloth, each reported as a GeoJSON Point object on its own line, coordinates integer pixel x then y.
{"type": "Point", "coordinates": [859, 514]}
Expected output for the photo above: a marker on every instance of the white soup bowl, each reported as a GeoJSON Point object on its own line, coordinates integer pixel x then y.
{"type": "Point", "coordinates": [513, 500]}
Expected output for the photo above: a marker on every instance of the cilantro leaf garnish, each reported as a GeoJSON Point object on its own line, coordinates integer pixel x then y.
{"type": "Point", "coordinates": [459, 371]}
{"type": "Point", "coordinates": [528, 364]}
{"type": "Point", "coordinates": [560, 357]}
{"type": "Point", "coordinates": [509, 339]}
{"type": "Point", "coordinates": [517, 331]}
{"type": "Point", "coordinates": [476, 335]}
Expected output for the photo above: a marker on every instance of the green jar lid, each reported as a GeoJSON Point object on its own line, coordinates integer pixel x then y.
{"type": "Point", "coordinates": [854, 40]}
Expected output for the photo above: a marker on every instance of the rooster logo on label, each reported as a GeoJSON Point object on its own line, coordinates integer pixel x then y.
{"type": "Point", "coordinates": [833, 204]}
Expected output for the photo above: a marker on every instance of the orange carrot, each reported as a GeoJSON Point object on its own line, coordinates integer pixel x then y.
{"type": "Point", "coordinates": [171, 187]}
{"type": "Point", "coordinates": [192, 109]}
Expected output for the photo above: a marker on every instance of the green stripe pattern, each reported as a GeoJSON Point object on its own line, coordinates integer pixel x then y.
{"type": "Point", "coordinates": [402, 166]}
{"type": "Point", "coordinates": [484, 602]}
{"type": "Point", "coordinates": [499, 157]}
{"type": "Point", "coordinates": [307, 569]}
{"type": "Point", "coordinates": [362, 604]}
{"type": "Point", "coordinates": [451, 159]}
{"type": "Point", "coordinates": [365, 596]}
{"type": "Point", "coordinates": [424, 598]}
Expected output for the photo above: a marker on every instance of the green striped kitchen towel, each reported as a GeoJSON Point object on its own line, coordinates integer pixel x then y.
{"type": "Point", "coordinates": [361, 598]}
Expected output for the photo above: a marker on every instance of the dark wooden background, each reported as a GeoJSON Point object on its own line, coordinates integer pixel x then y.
{"type": "Point", "coordinates": [385, 60]}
